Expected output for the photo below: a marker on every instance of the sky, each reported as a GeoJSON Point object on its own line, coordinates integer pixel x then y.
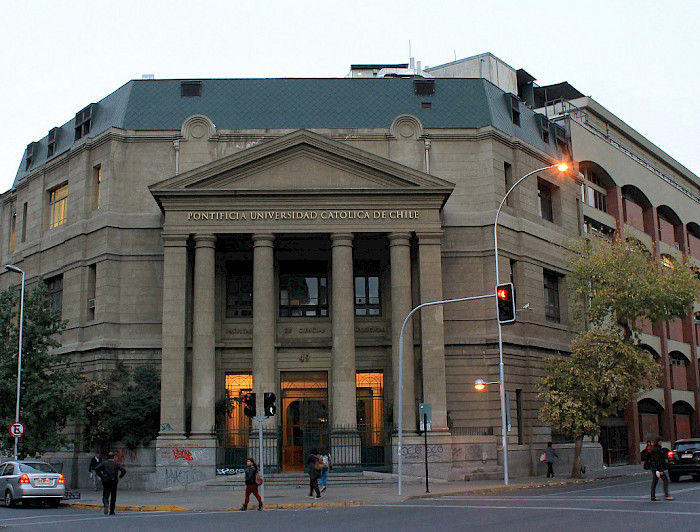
{"type": "Point", "coordinates": [639, 58]}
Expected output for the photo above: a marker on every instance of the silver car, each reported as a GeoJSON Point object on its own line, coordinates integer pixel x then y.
{"type": "Point", "coordinates": [31, 480]}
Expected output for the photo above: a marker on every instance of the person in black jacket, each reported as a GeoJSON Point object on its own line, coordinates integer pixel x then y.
{"type": "Point", "coordinates": [251, 484]}
{"type": "Point", "coordinates": [659, 464]}
{"type": "Point", "coordinates": [110, 472]}
{"type": "Point", "coordinates": [91, 469]}
{"type": "Point", "coordinates": [314, 472]}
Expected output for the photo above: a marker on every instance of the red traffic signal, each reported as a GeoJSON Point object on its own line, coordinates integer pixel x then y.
{"type": "Point", "coordinates": [249, 404]}
{"type": "Point", "coordinates": [506, 303]}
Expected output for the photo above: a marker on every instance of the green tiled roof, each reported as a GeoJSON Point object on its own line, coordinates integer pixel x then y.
{"type": "Point", "coordinates": [294, 103]}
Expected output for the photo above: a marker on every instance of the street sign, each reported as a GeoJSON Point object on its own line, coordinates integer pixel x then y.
{"type": "Point", "coordinates": [16, 429]}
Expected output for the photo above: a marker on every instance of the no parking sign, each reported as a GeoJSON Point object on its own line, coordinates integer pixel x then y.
{"type": "Point", "coordinates": [17, 429]}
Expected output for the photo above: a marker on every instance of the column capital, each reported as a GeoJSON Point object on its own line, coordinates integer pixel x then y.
{"type": "Point", "coordinates": [205, 240]}
{"type": "Point", "coordinates": [175, 239]}
{"type": "Point", "coordinates": [342, 239]}
{"type": "Point", "coordinates": [432, 237]}
{"type": "Point", "coordinates": [263, 239]}
{"type": "Point", "coordinates": [399, 239]}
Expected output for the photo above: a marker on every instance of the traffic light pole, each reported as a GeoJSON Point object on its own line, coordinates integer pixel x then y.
{"type": "Point", "coordinates": [260, 420]}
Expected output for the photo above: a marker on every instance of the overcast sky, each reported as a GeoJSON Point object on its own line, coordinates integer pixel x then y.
{"type": "Point", "coordinates": [638, 58]}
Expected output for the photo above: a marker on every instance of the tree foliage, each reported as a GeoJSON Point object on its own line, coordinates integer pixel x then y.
{"type": "Point", "coordinates": [615, 283]}
{"type": "Point", "coordinates": [47, 395]}
{"type": "Point", "coordinates": [131, 416]}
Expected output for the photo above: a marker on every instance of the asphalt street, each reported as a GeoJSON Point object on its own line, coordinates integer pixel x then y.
{"type": "Point", "coordinates": [604, 505]}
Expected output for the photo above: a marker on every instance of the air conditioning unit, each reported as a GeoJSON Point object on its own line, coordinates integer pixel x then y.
{"type": "Point", "coordinates": [91, 304]}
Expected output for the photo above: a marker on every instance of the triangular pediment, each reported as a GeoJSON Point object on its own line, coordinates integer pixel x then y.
{"type": "Point", "coordinates": [300, 162]}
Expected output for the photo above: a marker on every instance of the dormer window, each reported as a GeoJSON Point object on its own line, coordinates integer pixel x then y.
{"type": "Point", "coordinates": [83, 121]}
{"type": "Point", "coordinates": [544, 128]}
{"type": "Point", "coordinates": [562, 140]}
{"type": "Point", "coordinates": [514, 108]}
{"type": "Point", "coordinates": [51, 148]}
{"type": "Point", "coordinates": [32, 152]}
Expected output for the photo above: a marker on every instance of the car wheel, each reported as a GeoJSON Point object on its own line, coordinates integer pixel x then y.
{"type": "Point", "coordinates": [674, 477]}
{"type": "Point", "coordinates": [9, 501]}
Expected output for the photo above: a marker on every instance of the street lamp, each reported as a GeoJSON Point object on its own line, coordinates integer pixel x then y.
{"type": "Point", "coordinates": [14, 268]}
{"type": "Point", "coordinates": [562, 167]}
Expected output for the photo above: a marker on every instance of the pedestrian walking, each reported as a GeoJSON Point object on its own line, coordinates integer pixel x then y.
{"type": "Point", "coordinates": [659, 465]}
{"type": "Point", "coordinates": [550, 455]}
{"type": "Point", "coordinates": [91, 469]}
{"type": "Point", "coordinates": [326, 459]}
{"type": "Point", "coordinates": [315, 465]}
{"type": "Point", "coordinates": [646, 455]}
{"type": "Point", "coordinates": [253, 478]}
{"type": "Point", "coordinates": [110, 471]}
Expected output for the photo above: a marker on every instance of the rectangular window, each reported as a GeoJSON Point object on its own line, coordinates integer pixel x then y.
{"type": "Point", "coordinates": [544, 204]}
{"type": "Point", "coordinates": [31, 153]}
{"type": "Point", "coordinates": [55, 286]}
{"type": "Point", "coordinates": [367, 289]}
{"type": "Point", "coordinates": [24, 222]}
{"type": "Point", "coordinates": [190, 89]}
{"type": "Point", "coordinates": [91, 290]}
{"type": "Point", "coordinates": [303, 289]}
{"type": "Point", "coordinates": [51, 147]}
{"type": "Point", "coordinates": [13, 227]}
{"type": "Point", "coordinates": [58, 206]}
{"type": "Point", "coordinates": [83, 121]}
{"type": "Point", "coordinates": [514, 109]}
{"type": "Point", "coordinates": [508, 178]}
{"type": "Point", "coordinates": [544, 128]}
{"type": "Point", "coordinates": [551, 296]}
{"type": "Point", "coordinates": [239, 289]}
{"type": "Point", "coordinates": [96, 182]}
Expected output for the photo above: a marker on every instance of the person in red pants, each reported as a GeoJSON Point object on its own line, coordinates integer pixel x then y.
{"type": "Point", "coordinates": [251, 484]}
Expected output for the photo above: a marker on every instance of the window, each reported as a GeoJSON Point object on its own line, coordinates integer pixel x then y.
{"type": "Point", "coordinates": [551, 297]}
{"type": "Point", "coordinates": [367, 290]}
{"type": "Point", "coordinates": [424, 87]}
{"type": "Point", "coordinates": [24, 222]}
{"type": "Point", "coordinates": [58, 206]}
{"type": "Point", "coordinates": [31, 153]}
{"type": "Point", "coordinates": [51, 148]}
{"type": "Point", "coordinates": [13, 227]}
{"type": "Point", "coordinates": [562, 140]}
{"type": "Point", "coordinates": [370, 406]}
{"type": "Point", "coordinates": [190, 89]}
{"type": "Point", "coordinates": [239, 289]}
{"type": "Point", "coordinates": [514, 104]}
{"type": "Point", "coordinates": [303, 293]}
{"type": "Point", "coordinates": [83, 121]}
{"type": "Point", "coordinates": [55, 295]}
{"type": "Point", "coordinates": [508, 178]}
{"type": "Point", "coordinates": [544, 204]}
{"type": "Point", "coordinates": [544, 128]}
{"type": "Point", "coordinates": [97, 181]}
{"type": "Point", "coordinates": [91, 290]}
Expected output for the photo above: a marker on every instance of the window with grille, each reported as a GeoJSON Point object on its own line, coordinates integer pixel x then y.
{"type": "Point", "coordinates": [58, 206]}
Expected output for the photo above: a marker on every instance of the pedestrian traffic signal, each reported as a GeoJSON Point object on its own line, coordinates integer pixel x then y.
{"type": "Point", "coordinates": [506, 303]}
{"type": "Point", "coordinates": [270, 407]}
{"type": "Point", "coordinates": [249, 402]}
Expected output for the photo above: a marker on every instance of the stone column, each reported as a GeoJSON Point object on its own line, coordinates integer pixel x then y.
{"type": "Point", "coordinates": [264, 368]}
{"type": "Point", "coordinates": [172, 372]}
{"type": "Point", "coordinates": [431, 326]}
{"type": "Point", "coordinates": [203, 353]}
{"type": "Point", "coordinates": [401, 305]}
{"type": "Point", "coordinates": [343, 388]}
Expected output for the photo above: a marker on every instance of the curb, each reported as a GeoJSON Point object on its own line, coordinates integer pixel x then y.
{"type": "Point", "coordinates": [145, 508]}
{"type": "Point", "coordinates": [170, 508]}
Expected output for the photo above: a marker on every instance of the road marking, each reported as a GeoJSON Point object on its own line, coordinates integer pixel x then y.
{"type": "Point", "coordinates": [540, 508]}
{"type": "Point", "coordinates": [609, 486]}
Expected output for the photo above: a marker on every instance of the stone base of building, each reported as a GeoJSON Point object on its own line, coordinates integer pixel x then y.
{"type": "Point", "coordinates": [183, 462]}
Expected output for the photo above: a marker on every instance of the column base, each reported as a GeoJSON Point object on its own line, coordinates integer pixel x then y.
{"type": "Point", "coordinates": [185, 461]}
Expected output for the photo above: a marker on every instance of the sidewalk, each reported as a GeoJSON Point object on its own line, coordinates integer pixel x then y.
{"type": "Point", "coordinates": [293, 497]}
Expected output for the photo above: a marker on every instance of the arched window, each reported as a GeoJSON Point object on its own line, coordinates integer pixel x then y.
{"type": "Point", "coordinates": [682, 414]}
{"type": "Point", "coordinates": [650, 413]}
{"type": "Point", "coordinates": [679, 370]}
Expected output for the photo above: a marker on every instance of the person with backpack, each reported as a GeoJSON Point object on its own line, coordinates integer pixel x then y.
{"type": "Point", "coordinates": [252, 479]}
{"type": "Point", "coordinates": [315, 466]}
{"type": "Point", "coordinates": [110, 471]}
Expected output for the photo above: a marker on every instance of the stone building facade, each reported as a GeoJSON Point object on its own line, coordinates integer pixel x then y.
{"type": "Point", "coordinates": [252, 236]}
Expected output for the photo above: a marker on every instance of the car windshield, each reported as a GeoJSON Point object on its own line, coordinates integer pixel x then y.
{"type": "Point", "coordinates": [36, 467]}
{"type": "Point", "coordinates": [688, 446]}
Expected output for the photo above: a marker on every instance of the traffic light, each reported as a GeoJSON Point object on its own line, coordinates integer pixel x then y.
{"type": "Point", "coordinates": [270, 407]}
{"type": "Point", "coordinates": [249, 402]}
{"type": "Point", "coordinates": [506, 303]}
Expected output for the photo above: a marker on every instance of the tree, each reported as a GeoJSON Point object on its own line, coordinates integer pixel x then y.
{"type": "Point", "coordinates": [98, 417]}
{"type": "Point", "coordinates": [46, 396]}
{"type": "Point", "coordinates": [615, 283]}
{"type": "Point", "coordinates": [138, 415]}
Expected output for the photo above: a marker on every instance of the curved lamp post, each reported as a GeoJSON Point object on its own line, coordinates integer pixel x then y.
{"type": "Point", "coordinates": [14, 268]}
{"type": "Point", "coordinates": [562, 167]}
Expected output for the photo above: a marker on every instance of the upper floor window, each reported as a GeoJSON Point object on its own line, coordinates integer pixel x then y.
{"type": "Point", "coordinates": [303, 289]}
{"type": "Point", "coordinates": [592, 191]}
{"type": "Point", "coordinates": [544, 128]}
{"type": "Point", "coordinates": [55, 293]}
{"type": "Point", "coordinates": [51, 145]}
{"type": "Point", "coordinates": [83, 121]}
{"type": "Point", "coordinates": [13, 227]}
{"type": "Point", "coordinates": [31, 153]}
{"type": "Point", "coordinates": [96, 183]}
{"type": "Point", "coordinates": [58, 206]}
{"type": "Point", "coordinates": [514, 109]}
{"type": "Point", "coordinates": [552, 310]}
{"type": "Point", "coordinates": [239, 289]}
{"type": "Point", "coordinates": [367, 290]}
{"type": "Point", "coordinates": [544, 203]}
